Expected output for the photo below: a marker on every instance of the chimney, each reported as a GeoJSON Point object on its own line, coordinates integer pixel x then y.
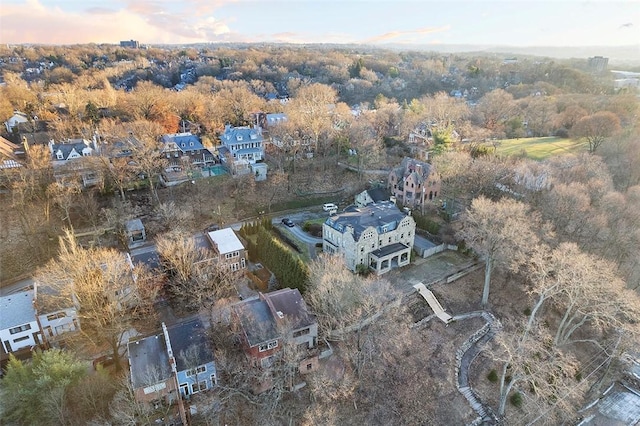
{"type": "Point", "coordinates": [51, 146]}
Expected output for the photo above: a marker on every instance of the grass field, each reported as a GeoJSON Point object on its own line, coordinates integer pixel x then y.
{"type": "Point", "coordinates": [540, 148]}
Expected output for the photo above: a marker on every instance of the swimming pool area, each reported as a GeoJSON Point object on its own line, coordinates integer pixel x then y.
{"type": "Point", "coordinates": [216, 170]}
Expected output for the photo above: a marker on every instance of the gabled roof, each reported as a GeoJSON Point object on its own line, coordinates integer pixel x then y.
{"type": "Point", "coordinates": [409, 166]}
{"type": "Point", "coordinates": [17, 309]}
{"type": "Point", "coordinates": [262, 317]}
{"type": "Point", "coordinates": [239, 135]}
{"type": "Point", "coordinates": [185, 335]}
{"type": "Point", "coordinates": [376, 215]}
{"type": "Point", "coordinates": [256, 321]}
{"type": "Point", "coordinates": [225, 240]}
{"type": "Point", "coordinates": [291, 305]}
{"type": "Point", "coordinates": [148, 361]}
{"type": "Point", "coordinates": [67, 148]}
{"type": "Point", "coordinates": [184, 141]}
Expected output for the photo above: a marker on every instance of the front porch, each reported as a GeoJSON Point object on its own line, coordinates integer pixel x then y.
{"type": "Point", "coordinates": [392, 256]}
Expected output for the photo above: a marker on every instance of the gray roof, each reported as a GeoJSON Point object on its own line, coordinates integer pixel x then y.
{"type": "Point", "coordinates": [378, 194]}
{"type": "Point", "coordinates": [239, 135]}
{"type": "Point", "coordinates": [17, 309]}
{"type": "Point", "coordinates": [257, 321]}
{"type": "Point", "coordinates": [409, 166]}
{"type": "Point", "coordinates": [134, 225]}
{"type": "Point", "coordinates": [386, 250]}
{"type": "Point", "coordinates": [148, 361]}
{"type": "Point", "coordinates": [261, 316]}
{"type": "Point", "coordinates": [185, 141]}
{"type": "Point", "coordinates": [187, 334]}
{"type": "Point", "coordinates": [293, 307]}
{"type": "Point", "coordinates": [377, 215]}
{"type": "Point", "coordinates": [67, 148]}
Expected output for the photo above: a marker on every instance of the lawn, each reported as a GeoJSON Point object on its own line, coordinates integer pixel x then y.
{"type": "Point", "coordinates": [540, 148]}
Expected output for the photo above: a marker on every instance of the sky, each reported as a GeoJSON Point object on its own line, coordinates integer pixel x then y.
{"type": "Point", "coordinates": [524, 23]}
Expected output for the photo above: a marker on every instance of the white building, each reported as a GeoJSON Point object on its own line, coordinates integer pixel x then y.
{"type": "Point", "coordinates": [378, 236]}
{"type": "Point", "coordinates": [18, 325]}
{"type": "Point", "coordinates": [228, 248]}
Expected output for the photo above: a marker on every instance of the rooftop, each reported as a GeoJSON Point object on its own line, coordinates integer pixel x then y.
{"type": "Point", "coordinates": [185, 335]}
{"type": "Point", "coordinates": [291, 305]}
{"type": "Point", "coordinates": [225, 240]}
{"type": "Point", "coordinates": [256, 320]}
{"type": "Point", "coordinates": [384, 216]}
{"type": "Point", "coordinates": [148, 361]}
{"type": "Point", "coordinates": [17, 309]}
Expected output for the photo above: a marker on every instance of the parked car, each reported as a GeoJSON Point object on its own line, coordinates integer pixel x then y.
{"type": "Point", "coordinates": [329, 206]}
{"type": "Point", "coordinates": [288, 222]}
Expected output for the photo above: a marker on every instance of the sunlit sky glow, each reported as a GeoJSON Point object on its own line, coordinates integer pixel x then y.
{"type": "Point", "coordinates": [376, 22]}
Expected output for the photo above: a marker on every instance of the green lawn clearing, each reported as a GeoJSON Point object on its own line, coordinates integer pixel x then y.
{"type": "Point", "coordinates": [540, 148]}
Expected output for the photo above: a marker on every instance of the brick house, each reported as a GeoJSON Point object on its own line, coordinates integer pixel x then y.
{"type": "Point", "coordinates": [414, 183]}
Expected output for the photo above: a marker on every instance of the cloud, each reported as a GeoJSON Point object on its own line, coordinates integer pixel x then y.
{"type": "Point", "coordinates": [406, 34]}
{"type": "Point", "coordinates": [145, 20]}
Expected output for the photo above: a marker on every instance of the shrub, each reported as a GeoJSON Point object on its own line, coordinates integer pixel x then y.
{"type": "Point", "coordinates": [527, 311]}
{"type": "Point", "coordinates": [492, 376]}
{"type": "Point", "coordinates": [516, 399]}
{"type": "Point", "coordinates": [579, 376]}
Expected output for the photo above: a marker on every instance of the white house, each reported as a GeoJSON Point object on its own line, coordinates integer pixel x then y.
{"type": "Point", "coordinates": [18, 325]}
{"type": "Point", "coordinates": [228, 247]}
{"type": "Point", "coordinates": [13, 121]}
{"type": "Point", "coordinates": [241, 143]}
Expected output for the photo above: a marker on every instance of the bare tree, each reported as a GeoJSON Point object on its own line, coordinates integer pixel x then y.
{"type": "Point", "coordinates": [501, 232]}
{"type": "Point", "coordinates": [109, 294]}
{"type": "Point", "coordinates": [596, 128]}
{"type": "Point", "coordinates": [341, 299]}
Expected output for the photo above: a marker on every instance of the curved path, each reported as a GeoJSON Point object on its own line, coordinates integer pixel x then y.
{"type": "Point", "coordinates": [465, 356]}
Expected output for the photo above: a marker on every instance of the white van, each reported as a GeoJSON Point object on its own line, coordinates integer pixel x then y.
{"type": "Point", "coordinates": [329, 206]}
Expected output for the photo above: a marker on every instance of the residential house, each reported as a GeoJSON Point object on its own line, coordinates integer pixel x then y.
{"type": "Point", "coordinates": [10, 154]}
{"type": "Point", "coordinates": [71, 149]}
{"type": "Point", "coordinates": [66, 158]}
{"type": "Point", "coordinates": [241, 145]}
{"type": "Point", "coordinates": [379, 236]}
{"type": "Point", "coordinates": [14, 120]}
{"type": "Point", "coordinates": [151, 375]}
{"type": "Point", "coordinates": [414, 183]}
{"type": "Point", "coordinates": [271, 320]}
{"type": "Point", "coordinates": [56, 316]}
{"type": "Point", "coordinates": [171, 364]}
{"type": "Point", "coordinates": [19, 327]}
{"type": "Point", "coordinates": [195, 366]}
{"type": "Point", "coordinates": [181, 148]}
{"type": "Point", "coordinates": [228, 248]}
{"type": "Point", "coordinates": [371, 196]}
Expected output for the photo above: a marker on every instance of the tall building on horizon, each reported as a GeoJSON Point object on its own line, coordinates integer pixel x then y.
{"type": "Point", "coordinates": [134, 44]}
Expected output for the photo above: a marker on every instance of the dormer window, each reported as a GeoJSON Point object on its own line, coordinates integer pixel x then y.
{"type": "Point", "coordinates": [190, 143]}
{"type": "Point", "coordinates": [59, 155]}
{"type": "Point", "coordinates": [239, 137]}
{"type": "Point", "coordinates": [254, 136]}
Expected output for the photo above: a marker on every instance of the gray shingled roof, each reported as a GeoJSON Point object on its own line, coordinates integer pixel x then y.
{"type": "Point", "coordinates": [257, 321]}
{"type": "Point", "coordinates": [185, 141]}
{"type": "Point", "coordinates": [16, 309]}
{"type": "Point", "coordinates": [148, 361]}
{"type": "Point", "coordinates": [293, 307]}
{"type": "Point", "coordinates": [183, 336]}
{"type": "Point", "coordinates": [231, 135]}
{"type": "Point", "coordinates": [377, 215]}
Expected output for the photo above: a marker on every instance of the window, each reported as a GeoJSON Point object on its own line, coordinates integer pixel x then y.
{"type": "Point", "coordinates": [213, 379]}
{"type": "Point", "coordinates": [243, 264]}
{"type": "Point", "coordinates": [59, 156]}
{"type": "Point", "coordinates": [20, 339]}
{"type": "Point", "coordinates": [184, 388]}
{"type": "Point", "coordinates": [196, 370]}
{"type": "Point", "coordinates": [268, 346]}
{"type": "Point", "coordinates": [234, 266]}
{"type": "Point", "coordinates": [56, 316]}
{"type": "Point", "coordinates": [302, 332]}
{"type": "Point", "coordinates": [15, 330]}
{"type": "Point", "coordinates": [309, 366]}
{"type": "Point", "coordinates": [200, 386]}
